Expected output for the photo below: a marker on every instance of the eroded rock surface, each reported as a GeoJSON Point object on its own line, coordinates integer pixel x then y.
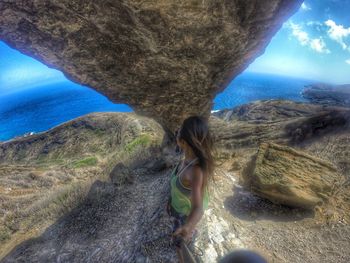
{"type": "Point", "coordinates": [286, 176]}
{"type": "Point", "coordinates": [165, 59]}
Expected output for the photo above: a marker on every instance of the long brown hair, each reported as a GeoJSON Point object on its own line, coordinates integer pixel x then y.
{"type": "Point", "coordinates": [195, 131]}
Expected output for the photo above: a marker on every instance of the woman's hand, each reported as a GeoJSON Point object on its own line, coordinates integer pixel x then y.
{"type": "Point", "coordinates": [185, 232]}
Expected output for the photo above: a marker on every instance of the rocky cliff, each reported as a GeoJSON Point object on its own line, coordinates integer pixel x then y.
{"type": "Point", "coordinates": [166, 59]}
{"type": "Point", "coordinates": [327, 94]}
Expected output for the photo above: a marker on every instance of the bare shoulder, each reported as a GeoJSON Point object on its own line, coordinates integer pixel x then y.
{"type": "Point", "coordinates": [197, 172]}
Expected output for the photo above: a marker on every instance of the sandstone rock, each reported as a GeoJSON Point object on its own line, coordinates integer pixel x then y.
{"type": "Point", "coordinates": [286, 176]}
{"type": "Point", "coordinates": [166, 59]}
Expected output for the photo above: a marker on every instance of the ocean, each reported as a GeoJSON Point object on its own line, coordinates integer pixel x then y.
{"type": "Point", "coordinates": [42, 107]}
{"type": "Point", "coordinates": [249, 87]}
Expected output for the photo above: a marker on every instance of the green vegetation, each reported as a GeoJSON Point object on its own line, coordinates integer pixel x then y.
{"type": "Point", "coordinates": [4, 234]}
{"type": "Point", "coordinates": [54, 159]}
{"type": "Point", "coordinates": [143, 140]}
{"type": "Point", "coordinates": [89, 161]}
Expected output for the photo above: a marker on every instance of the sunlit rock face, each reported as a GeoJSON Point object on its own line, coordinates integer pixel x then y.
{"type": "Point", "coordinates": [166, 59]}
{"type": "Point", "coordinates": [287, 176]}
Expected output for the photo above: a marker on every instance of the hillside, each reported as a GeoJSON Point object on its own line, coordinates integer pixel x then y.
{"type": "Point", "coordinates": [44, 175]}
{"type": "Point", "coordinates": [76, 204]}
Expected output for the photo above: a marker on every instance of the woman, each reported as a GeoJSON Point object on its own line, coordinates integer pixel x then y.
{"type": "Point", "coordinates": [189, 180]}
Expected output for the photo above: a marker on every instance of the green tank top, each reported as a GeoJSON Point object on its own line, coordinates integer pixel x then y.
{"type": "Point", "coordinates": [181, 195]}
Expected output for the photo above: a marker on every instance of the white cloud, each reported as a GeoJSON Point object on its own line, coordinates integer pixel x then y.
{"type": "Point", "coordinates": [316, 25]}
{"type": "Point", "coordinates": [316, 44]}
{"type": "Point", "coordinates": [302, 36]}
{"type": "Point", "coordinates": [338, 33]}
{"type": "Point", "coordinates": [305, 7]}
{"type": "Point", "coordinates": [347, 61]}
{"type": "Point", "coordinates": [313, 23]}
{"type": "Point", "coordinates": [319, 45]}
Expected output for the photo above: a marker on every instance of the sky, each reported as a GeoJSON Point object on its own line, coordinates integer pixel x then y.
{"type": "Point", "coordinates": [18, 71]}
{"type": "Point", "coordinates": [313, 44]}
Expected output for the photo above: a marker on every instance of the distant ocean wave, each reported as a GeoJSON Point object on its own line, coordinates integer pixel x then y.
{"type": "Point", "coordinates": [41, 108]}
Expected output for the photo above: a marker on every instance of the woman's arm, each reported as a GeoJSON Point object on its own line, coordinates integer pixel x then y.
{"type": "Point", "coordinates": [196, 198]}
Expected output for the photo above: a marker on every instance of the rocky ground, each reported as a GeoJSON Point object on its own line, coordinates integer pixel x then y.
{"type": "Point", "coordinates": [127, 222]}
{"type": "Point", "coordinates": [239, 219]}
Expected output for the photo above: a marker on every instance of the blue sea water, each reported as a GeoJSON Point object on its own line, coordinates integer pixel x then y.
{"type": "Point", "coordinates": [249, 87]}
{"type": "Point", "coordinates": [40, 108]}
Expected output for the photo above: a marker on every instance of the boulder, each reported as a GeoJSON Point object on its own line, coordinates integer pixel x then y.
{"type": "Point", "coordinates": [155, 165]}
{"type": "Point", "coordinates": [121, 174]}
{"type": "Point", "coordinates": [290, 177]}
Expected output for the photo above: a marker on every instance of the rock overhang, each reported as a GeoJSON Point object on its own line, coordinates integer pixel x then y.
{"type": "Point", "coordinates": [165, 59]}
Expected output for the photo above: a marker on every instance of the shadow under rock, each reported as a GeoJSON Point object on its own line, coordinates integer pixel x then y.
{"type": "Point", "coordinates": [109, 225]}
{"type": "Point", "coordinates": [247, 206]}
